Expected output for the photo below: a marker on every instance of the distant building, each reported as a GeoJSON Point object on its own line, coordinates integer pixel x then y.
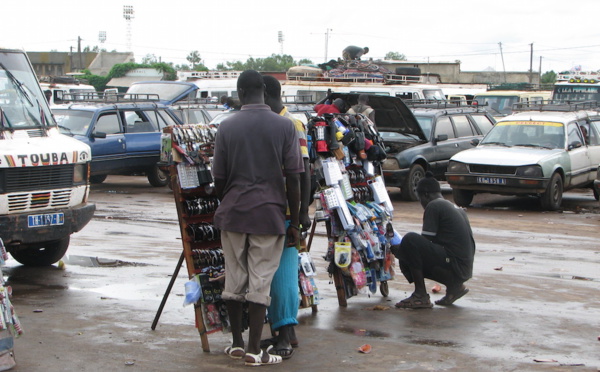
{"type": "Point", "coordinates": [63, 63]}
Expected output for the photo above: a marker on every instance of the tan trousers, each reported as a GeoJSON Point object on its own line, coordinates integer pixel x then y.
{"type": "Point", "coordinates": [250, 263]}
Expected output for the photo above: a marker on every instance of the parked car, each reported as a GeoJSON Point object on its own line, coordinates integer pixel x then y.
{"type": "Point", "coordinates": [192, 113]}
{"type": "Point", "coordinates": [540, 152]}
{"type": "Point", "coordinates": [180, 96]}
{"type": "Point", "coordinates": [444, 129]}
{"type": "Point", "coordinates": [124, 134]}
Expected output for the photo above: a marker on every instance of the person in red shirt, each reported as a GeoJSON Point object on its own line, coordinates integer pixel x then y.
{"type": "Point", "coordinates": [337, 107]}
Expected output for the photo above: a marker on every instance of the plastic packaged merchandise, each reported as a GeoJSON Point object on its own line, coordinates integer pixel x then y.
{"type": "Point", "coordinates": [192, 292]}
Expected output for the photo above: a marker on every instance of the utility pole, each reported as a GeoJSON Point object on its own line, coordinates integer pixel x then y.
{"type": "Point", "coordinates": [71, 59]}
{"type": "Point", "coordinates": [327, 42]}
{"type": "Point", "coordinates": [531, 65]}
{"type": "Point", "coordinates": [502, 56]}
{"type": "Point", "coordinates": [79, 53]}
{"type": "Point", "coordinates": [540, 72]}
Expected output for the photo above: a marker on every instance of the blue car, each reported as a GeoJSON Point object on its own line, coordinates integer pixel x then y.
{"type": "Point", "coordinates": [124, 133]}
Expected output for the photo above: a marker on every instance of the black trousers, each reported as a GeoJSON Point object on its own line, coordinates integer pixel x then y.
{"type": "Point", "coordinates": [416, 251]}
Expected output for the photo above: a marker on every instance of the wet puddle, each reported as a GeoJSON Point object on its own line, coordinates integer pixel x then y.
{"type": "Point", "coordinates": [362, 332]}
{"type": "Point", "coordinates": [379, 334]}
{"type": "Point", "coordinates": [86, 261]}
{"type": "Point", "coordinates": [433, 343]}
{"type": "Point", "coordinates": [572, 277]}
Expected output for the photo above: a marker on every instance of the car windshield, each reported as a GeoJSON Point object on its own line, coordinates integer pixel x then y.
{"type": "Point", "coordinates": [541, 134]}
{"type": "Point", "coordinates": [497, 105]}
{"type": "Point", "coordinates": [396, 137]}
{"type": "Point", "coordinates": [72, 122]}
{"type": "Point", "coordinates": [434, 94]}
{"type": "Point", "coordinates": [425, 122]}
{"type": "Point", "coordinates": [21, 98]}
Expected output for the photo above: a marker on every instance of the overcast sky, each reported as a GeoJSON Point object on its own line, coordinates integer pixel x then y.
{"type": "Point", "coordinates": [564, 34]}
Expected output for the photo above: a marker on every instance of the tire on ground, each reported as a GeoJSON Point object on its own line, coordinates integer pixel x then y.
{"type": "Point", "coordinates": [99, 178]}
{"type": "Point", "coordinates": [157, 177]}
{"type": "Point", "coordinates": [552, 198]}
{"type": "Point", "coordinates": [409, 188]}
{"type": "Point", "coordinates": [42, 254]}
{"type": "Point", "coordinates": [462, 198]}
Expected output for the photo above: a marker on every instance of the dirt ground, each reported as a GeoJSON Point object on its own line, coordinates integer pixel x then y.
{"type": "Point", "coordinates": [533, 303]}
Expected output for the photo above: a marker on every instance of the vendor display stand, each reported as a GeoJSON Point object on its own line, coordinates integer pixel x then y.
{"type": "Point", "coordinates": [10, 326]}
{"type": "Point", "coordinates": [188, 149]}
{"type": "Point", "coordinates": [352, 200]}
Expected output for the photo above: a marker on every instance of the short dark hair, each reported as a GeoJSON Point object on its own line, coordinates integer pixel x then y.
{"type": "Point", "coordinates": [251, 81]}
{"type": "Point", "coordinates": [272, 86]}
{"type": "Point", "coordinates": [428, 184]}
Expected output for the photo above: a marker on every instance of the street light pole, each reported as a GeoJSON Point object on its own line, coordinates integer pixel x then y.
{"type": "Point", "coordinates": [327, 42]}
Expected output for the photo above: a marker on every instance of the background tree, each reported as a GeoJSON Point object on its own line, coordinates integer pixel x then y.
{"type": "Point", "coordinates": [149, 59]}
{"type": "Point", "coordinates": [395, 56]}
{"type": "Point", "coordinates": [548, 77]}
{"type": "Point", "coordinates": [273, 63]}
{"type": "Point", "coordinates": [194, 58]}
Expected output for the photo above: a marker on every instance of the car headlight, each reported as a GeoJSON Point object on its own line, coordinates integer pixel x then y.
{"type": "Point", "coordinates": [390, 164]}
{"type": "Point", "coordinates": [457, 167]}
{"type": "Point", "coordinates": [530, 171]}
{"type": "Point", "coordinates": [80, 174]}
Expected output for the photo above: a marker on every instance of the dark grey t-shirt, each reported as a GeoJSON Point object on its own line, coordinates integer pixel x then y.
{"type": "Point", "coordinates": [448, 225]}
{"type": "Point", "coordinates": [253, 150]}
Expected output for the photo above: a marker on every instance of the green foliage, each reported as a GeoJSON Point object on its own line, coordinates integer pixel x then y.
{"type": "Point", "coordinates": [273, 63]}
{"type": "Point", "coordinates": [200, 67]}
{"type": "Point", "coordinates": [149, 59]}
{"type": "Point", "coordinates": [548, 77]}
{"type": "Point", "coordinates": [121, 69]}
{"type": "Point", "coordinates": [395, 56]}
{"type": "Point", "coordinates": [194, 58]}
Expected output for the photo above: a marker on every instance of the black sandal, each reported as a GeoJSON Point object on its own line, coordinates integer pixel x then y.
{"type": "Point", "coordinates": [415, 302]}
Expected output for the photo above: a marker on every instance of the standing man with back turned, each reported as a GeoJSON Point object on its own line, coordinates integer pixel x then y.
{"type": "Point", "coordinates": [443, 252]}
{"type": "Point", "coordinates": [253, 150]}
{"type": "Point", "coordinates": [283, 311]}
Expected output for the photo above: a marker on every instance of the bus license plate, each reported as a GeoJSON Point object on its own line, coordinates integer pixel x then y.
{"type": "Point", "coordinates": [49, 219]}
{"type": "Point", "coordinates": [491, 180]}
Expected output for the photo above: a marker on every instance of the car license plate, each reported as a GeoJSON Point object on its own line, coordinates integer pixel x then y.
{"type": "Point", "coordinates": [48, 219]}
{"type": "Point", "coordinates": [491, 180]}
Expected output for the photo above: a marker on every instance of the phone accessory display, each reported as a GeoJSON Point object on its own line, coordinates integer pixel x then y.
{"type": "Point", "coordinates": [332, 171]}
{"type": "Point", "coordinates": [353, 203]}
{"type": "Point", "coordinates": [380, 194]}
{"type": "Point", "coordinates": [343, 251]}
{"type": "Point", "coordinates": [306, 264]}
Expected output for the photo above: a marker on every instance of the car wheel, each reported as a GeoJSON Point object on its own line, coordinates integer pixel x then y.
{"type": "Point", "coordinates": [596, 195]}
{"type": "Point", "coordinates": [409, 189]}
{"type": "Point", "coordinates": [99, 178]}
{"type": "Point", "coordinates": [157, 177]}
{"type": "Point", "coordinates": [42, 254]}
{"type": "Point", "coordinates": [462, 198]}
{"type": "Point", "coordinates": [552, 198]}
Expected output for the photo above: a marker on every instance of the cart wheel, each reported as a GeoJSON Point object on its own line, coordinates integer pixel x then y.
{"type": "Point", "coordinates": [385, 290]}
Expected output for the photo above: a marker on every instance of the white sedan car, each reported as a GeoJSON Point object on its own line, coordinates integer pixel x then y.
{"type": "Point", "coordinates": [542, 153]}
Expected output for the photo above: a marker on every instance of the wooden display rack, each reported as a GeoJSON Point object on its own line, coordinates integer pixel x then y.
{"type": "Point", "coordinates": [191, 169]}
